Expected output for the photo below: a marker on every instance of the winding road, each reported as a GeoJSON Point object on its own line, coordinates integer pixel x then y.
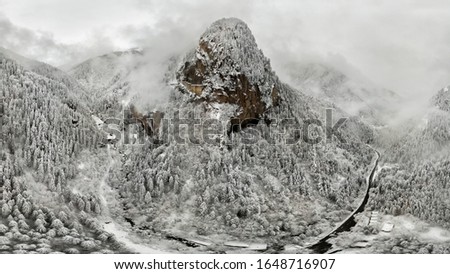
{"type": "Point", "coordinates": [322, 245]}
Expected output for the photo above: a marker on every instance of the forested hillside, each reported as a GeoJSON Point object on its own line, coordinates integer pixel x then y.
{"type": "Point", "coordinates": [421, 190]}
{"type": "Point", "coordinates": [234, 153]}
{"type": "Point", "coordinates": [263, 188]}
{"type": "Point", "coordinates": [425, 138]}
{"type": "Point", "coordinates": [366, 101]}
{"type": "Point", "coordinates": [44, 130]}
{"type": "Point", "coordinates": [416, 174]}
{"type": "Point", "coordinates": [106, 78]}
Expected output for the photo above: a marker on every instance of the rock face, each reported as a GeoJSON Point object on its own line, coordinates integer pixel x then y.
{"type": "Point", "coordinates": [228, 67]}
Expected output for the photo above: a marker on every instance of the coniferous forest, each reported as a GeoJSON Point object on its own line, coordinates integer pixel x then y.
{"type": "Point", "coordinates": [88, 166]}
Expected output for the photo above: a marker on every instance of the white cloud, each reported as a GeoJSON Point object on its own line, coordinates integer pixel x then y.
{"type": "Point", "coordinates": [401, 45]}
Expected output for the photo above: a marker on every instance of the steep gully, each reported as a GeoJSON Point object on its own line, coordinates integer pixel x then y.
{"type": "Point", "coordinates": [322, 245]}
{"type": "Point", "coordinates": [111, 226]}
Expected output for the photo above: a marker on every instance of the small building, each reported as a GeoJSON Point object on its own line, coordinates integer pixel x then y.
{"type": "Point", "coordinates": [387, 227]}
{"type": "Point", "coordinates": [194, 88]}
{"type": "Point", "coordinates": [360, 244]}
{"type": "Point", "coordinates": [236, 244]}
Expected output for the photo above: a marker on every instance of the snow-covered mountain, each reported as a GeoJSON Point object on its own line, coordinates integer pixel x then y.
{"type": "Point", "coordinates": [74, 93]}
{"type": "Point", "coordinates": [373, 104]}
{"type": "Point", "coordinates": [46, 126]}
{"type": "Point", "coordinates": [228, 68]}
{"type": "Point", "coordinates": [415, 176]}
{"type": "Point", "coordinates": [41, 69]}
{"type": "Point", "coordinates": [107, 74]}
{"type": "Point", "coordinates": [235, 153]}
{"type": "Point", "coordinates": [106, 79]}
{"type": "Point", "coordinates": [248, 179]}
{"type": "Point", "coordinates": [428, 137]}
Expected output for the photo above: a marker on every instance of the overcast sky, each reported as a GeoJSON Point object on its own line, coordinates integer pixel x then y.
{"type": "Point", "coordinates": [401, 45]}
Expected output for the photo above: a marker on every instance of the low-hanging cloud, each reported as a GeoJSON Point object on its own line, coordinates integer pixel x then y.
{"type": "Point", "coordinates": [36, 44]}
{"type": "Point", "coordinates": [400, 45]}
{"type": "Point", "coordinates": [397, 45]}
{"type": "Point", "coordinates": [175, 33]}
{"type": "Point", "coordinates": [43, 46]}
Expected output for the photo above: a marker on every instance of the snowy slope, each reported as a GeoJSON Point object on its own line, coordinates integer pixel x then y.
{"type": "Point", "coordinates": [372, 104]}
{"type": "Point", "coordinates": [46, 127]}
{"type": "Point", "coordinates": [228, 184]}
{"type": "Point", "coordinates": [106, 74]}
{"type": "Point", "coordinates": [429, 137]}
{"type": "Point", "coordinates": [76, 94]}
{"type": "Point", "coordinates": [39, 67]}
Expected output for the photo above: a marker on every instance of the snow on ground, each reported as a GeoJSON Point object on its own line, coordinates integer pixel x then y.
{"type": "Point", "coordinates": [384, 166]}
{"type": "Point", "coordinates": [340, 180]}
{"type": "Point", "coordinates": [407, 224]}
{"type": "Point", "coordinates": [423, 123]}
{"type": "Point", "coordinates": [92, 167]}
{"type": "Point", "coordinates": [40, 192]}
{"type": "Point", "coordinates": [113, 227]}
{"type": "Point", "coordinates": [436, 234]}
{"type": "Point", "coordinates": [76, 191]}
{"type": "Point", "coordinates": [97, 121]}
{"type": "Point", "coordinates": [403, 226]}
{"type": "Point", "coordinates": [124, 237]}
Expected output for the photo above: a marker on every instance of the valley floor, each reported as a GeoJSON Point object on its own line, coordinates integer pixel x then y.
{"type": "Point", "coordinates": [413, 233]}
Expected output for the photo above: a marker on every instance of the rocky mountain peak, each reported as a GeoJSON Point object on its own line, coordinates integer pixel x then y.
{"type": "Point", "coordinates": [229, 47]}
{"type": "Point", "coordinates": [228, 67]}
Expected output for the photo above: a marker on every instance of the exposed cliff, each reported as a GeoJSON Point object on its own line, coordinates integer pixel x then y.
{"type": "Point", "coordinates": [228, 67]}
